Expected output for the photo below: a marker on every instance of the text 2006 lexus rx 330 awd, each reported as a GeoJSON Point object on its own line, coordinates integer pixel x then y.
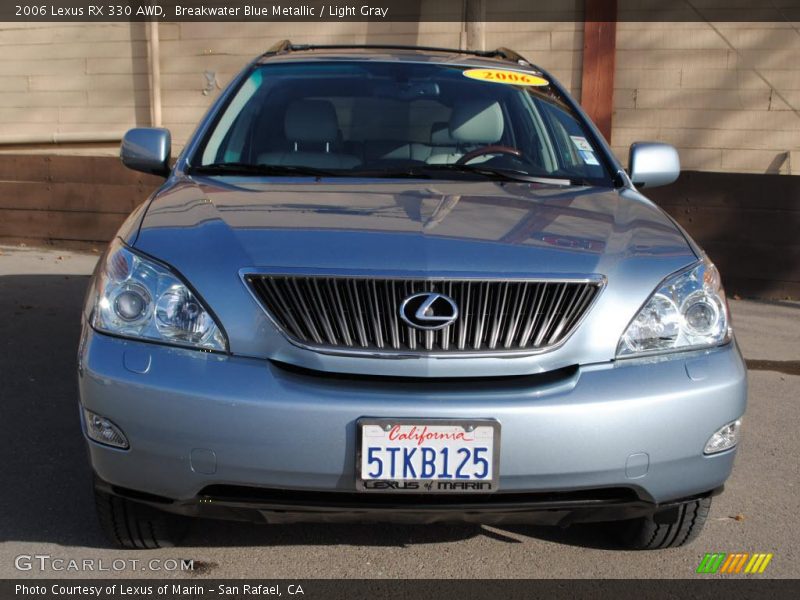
{"type": "Point", "coordinates": [405, 284]}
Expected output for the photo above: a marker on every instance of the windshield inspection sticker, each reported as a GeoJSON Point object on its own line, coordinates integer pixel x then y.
{"type": "Point", "coordinates": [584, 149]}
{"type": "Point", "coordinates": [503, 76]}
{"type": "Point", "coordinates": [581, 143]}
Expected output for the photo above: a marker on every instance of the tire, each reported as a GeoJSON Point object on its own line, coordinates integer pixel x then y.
{"type": "Point", "coordinates": [647, 533]}
{"type": "Point", "coordinates": [132, 525]}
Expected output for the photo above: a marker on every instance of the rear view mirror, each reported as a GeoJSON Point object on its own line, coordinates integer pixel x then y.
{"type": "Point", "coordinates": [409, 90]}
{"type": "Point", "coordinates": [147, 149]}
{"type": "Point", "coordinates": [652, 164]}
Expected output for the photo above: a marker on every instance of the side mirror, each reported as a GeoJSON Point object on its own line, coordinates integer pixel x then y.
{"type": "Point", "coordinates": [147, 149]}
{"type": "Point", "coordinates": [651, 164]}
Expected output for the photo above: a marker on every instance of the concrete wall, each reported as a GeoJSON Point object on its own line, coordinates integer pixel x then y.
{"type": "Point", "coordinates": [727, 95]}
{"type": "Point", "coordinates": [87, 77]}
{"type": "Point", "coordinates": [73, 77]}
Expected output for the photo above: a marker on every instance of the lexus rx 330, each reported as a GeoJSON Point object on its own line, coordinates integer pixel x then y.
{"type": "Point", "coordinates": [410, 284]}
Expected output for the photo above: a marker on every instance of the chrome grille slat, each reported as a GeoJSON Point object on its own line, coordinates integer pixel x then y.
{"type": "Point", "coordinates": [581, 306]}
{"type": "Point", "coordinates": [566, 315]}
{"type": "Point", "coordinates": [516, 313]}
{"type": "Point", "coordinates": [483, 298]}
{"type": "Point", "coordinates": [358, 314]}
{"type": "Point", "coordinates": [303, 309]}
{"type": "Point", "coordinates": [374, 313]}
{"type": "Point", "coordinates": [551, 316]}
{"type": "Point", "coordinates": [411, 333]}
{"type": "Point", "coordinates": [463, 320]}
{"type": "Point", "coordinates": [293, 326]}
{"type": "Point", "coordinates": [499, 312]}
{"type": "Point", "coordinates": [362, 314]}
{"type": "Point", "coordinates": [394, 319]}
{"type": "Point", "coordinates": [341, 312]}
{"type": "Point", "coordinates": [533, 312]}
{"type": "Point", "coordinates": [446, 333]}
{"type": "Point", "coordinates": [322, 311]}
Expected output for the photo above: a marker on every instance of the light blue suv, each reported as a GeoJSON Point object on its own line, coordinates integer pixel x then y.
{"type": "Point", "coordinates": [386, 283]}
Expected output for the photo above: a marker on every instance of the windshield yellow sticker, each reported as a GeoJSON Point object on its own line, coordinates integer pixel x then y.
{"type": "Point", "coordinates": [503, 76]}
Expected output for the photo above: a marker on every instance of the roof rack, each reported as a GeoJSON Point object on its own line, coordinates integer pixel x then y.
{"type": "Point", "coordinates": [512, 55]}
{"type": "Point", "coordinates": [279, 48]}
{"type": "Point", "coordinates": [285, 46]}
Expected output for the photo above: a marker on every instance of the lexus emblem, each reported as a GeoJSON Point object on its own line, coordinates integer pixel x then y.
{"type": "Point", "coordinates": [428, 310]}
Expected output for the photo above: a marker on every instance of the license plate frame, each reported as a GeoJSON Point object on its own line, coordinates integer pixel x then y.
{"type": "Point", "coordinates": [438, 485]}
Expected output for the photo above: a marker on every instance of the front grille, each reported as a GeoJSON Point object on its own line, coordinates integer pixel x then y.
{"type": "Point", "coordinates": [358, 314]}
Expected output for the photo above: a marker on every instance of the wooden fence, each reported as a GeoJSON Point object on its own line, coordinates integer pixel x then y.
{"type": "Point", "coordinates": [748, 224]}
{"type": "Point", "coordinates": [69, 198]}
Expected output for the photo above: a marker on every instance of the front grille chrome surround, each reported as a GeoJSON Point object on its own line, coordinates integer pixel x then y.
{"type": "Point", "coordinates": [356, 314]}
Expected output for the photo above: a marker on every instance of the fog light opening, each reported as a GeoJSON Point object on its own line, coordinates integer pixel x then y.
{"type": "Point", "coordinates": [104, 431]}
{"type": "Point", "coordinates": [724, 438]}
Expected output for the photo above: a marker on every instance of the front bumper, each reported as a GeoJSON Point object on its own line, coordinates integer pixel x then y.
{"type": "Point", "coordinates": [198, 421]}
{"type": "Point", "coordinates": [264, 505]}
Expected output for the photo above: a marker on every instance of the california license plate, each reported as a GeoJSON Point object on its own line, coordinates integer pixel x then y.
{"type": "Point", "coordinates": [428, 455]}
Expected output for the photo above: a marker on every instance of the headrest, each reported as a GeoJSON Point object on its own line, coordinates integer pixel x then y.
{"type": "Point", "coordinates": [440, 134]}
{"type": "Point", "coordinates": [477, 121]}
{"type": "Point", "coordinates": [311, 121]}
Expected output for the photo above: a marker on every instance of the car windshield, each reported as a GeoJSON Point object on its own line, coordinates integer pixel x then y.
{"type": "Point", "coordinates": [394, 119]}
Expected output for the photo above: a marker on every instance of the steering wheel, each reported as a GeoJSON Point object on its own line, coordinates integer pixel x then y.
{"type": "Point", "coordinates": [491, 149]}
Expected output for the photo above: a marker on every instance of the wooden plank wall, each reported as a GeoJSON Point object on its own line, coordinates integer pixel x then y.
{"type": "Point", "coordinates": [69, 198]}
{"type": "Point", "coordinates": [749, 224]}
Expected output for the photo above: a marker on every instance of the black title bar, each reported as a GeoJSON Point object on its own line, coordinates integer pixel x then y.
{"type": "Point", "coordinates": [416, 589]}
{"type": "Point", "coordinates": [391, 10]}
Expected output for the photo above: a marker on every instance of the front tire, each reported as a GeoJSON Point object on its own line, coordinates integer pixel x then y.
{"type": "Point", "coordinates": [132, 525]}
{"type": "Point", "coordinates": [652, 533]}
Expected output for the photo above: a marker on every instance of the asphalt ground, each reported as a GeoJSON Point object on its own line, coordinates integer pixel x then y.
{"type": "Point", "coordinates": [46, 502]}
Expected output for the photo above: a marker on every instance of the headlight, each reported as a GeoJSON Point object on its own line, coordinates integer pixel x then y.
{"type": "Point", "coordinates": [139, 298]}
{"type": "Point", "coordinates": [687, 311]}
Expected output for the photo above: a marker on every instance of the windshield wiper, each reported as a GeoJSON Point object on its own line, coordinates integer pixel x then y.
{"type": "Point", "coordinates": [239, 168]}
{"type": "Point", "coordinates": [431, 171]}
{"type": "Point", "coordinates": [415, 171]}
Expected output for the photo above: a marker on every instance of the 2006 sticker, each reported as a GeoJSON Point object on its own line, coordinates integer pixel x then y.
{"type": "Point", "coordinates": [508, 77]}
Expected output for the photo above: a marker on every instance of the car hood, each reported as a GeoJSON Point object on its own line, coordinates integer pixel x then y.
{"type": "Point", "coordinates": [210, 229]}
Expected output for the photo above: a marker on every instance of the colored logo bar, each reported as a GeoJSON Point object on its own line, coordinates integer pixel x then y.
{"type": "Point", "coordinates": [735, 563]}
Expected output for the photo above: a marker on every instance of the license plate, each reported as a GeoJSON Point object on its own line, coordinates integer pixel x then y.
{"type": "Point", "coordinates": [428, 455]}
